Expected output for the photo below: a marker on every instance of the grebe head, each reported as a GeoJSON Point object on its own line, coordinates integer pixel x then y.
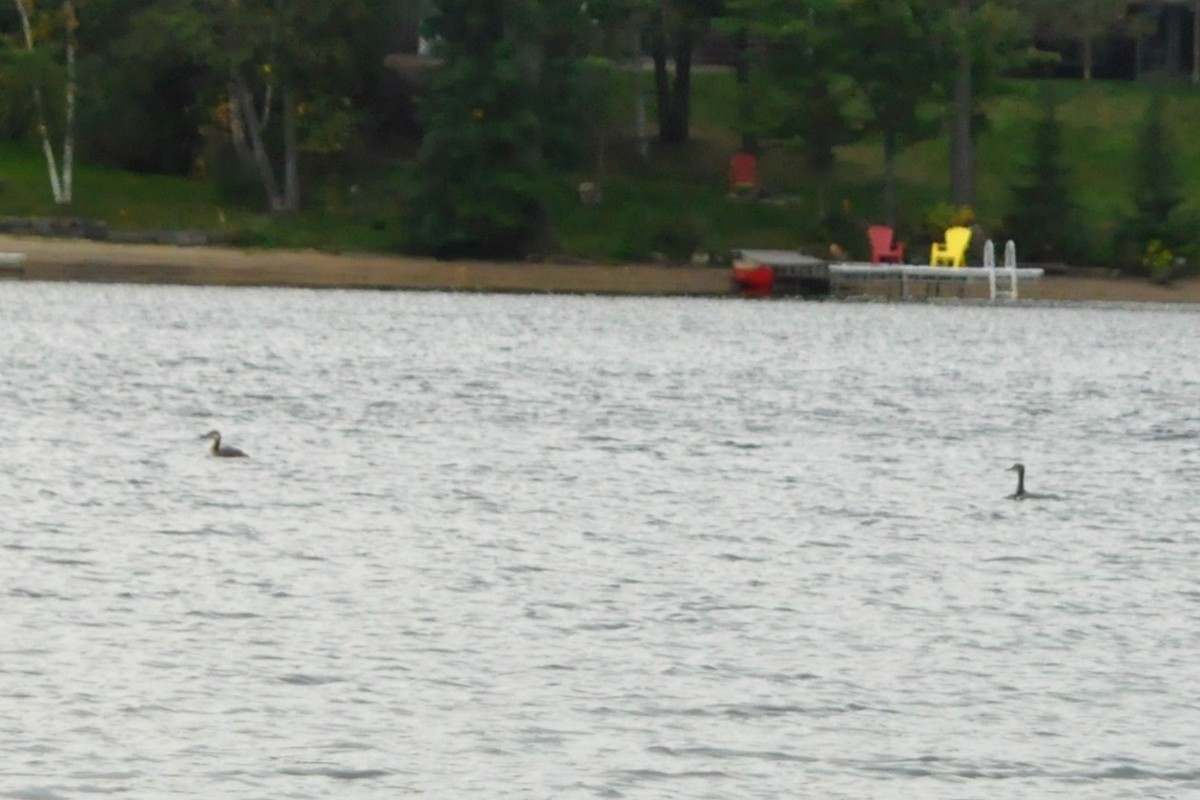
{"type": "Point", "coordinates": [1020, 493]}
{"type": "Point", "coordinates": [217, 449]}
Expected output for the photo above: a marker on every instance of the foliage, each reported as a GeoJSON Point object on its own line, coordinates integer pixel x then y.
{"type": "Point", "coordinates": [1157, 191]}
{"type": "Point", "coordinates": [795, 94]}
{"type": "Point", "coordinates": [481, 163]}
{"type": "Point", "coordinates": [945, 215]}
{"type": "Point", "coordinates": [881, 34]}
{"type": "Point", "coordinates": [1158, 261]}
{"type": "Point", "coordinates": [1042, 219]}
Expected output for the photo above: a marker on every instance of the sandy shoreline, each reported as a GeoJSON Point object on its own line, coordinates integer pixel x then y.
{"type": "Point", "coordinates": [78, 260]}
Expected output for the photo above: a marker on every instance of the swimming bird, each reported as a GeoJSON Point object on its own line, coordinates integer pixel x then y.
{"type": "Point", "coordinates": [1020, 493]}
{"type": "Point", "coordinates": [219, 450]}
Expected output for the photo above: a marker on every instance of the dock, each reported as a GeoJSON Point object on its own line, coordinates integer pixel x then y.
{"type": "Point", "coordinates": [763, 272]}
{"type": "Point", "coordinates": [11, 265]}
{"type": "Point", "coordinates": [916, 282]}
{"type": "Point", "coordinates": [784, 272]}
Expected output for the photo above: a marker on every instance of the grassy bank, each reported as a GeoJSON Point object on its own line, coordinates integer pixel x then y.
{"type": "Point", "coordinates": [680, 197]}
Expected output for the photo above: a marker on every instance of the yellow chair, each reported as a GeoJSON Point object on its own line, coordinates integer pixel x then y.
{"type": "Point", "coordinates": [954, 252]}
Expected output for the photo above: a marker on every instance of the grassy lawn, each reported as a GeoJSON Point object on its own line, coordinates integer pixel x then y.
{"type": "Point", "coordinates": [681, 197]}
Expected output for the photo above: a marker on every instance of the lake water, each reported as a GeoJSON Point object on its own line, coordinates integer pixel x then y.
{"type": "Point", "coordinates": [567, 547]}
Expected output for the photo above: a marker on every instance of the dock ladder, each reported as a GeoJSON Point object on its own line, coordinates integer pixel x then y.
{"type": "Point", "coordinates": [1010, 268]}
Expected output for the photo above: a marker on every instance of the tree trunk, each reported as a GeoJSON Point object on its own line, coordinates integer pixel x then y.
{"type": "Point", "coordinates": [639, 114]}
{"type": "Point", "coordinates": [1087, 42]}
{"type": "Point", "coordinates": [1196, 42]}
{"type": "Point", "coordinates": [889, 178]}
{"type": "Point", "coordinates": [746, 102]}
{"type": "Point", "coordinates": [641, 137]}
{"type": "Point", "coordinates": [291, 156]}
{"type": "Point", "coordinates": [662, 79]}
{"type": "Point", "coordinates": [1174, 45]}
{"type": "Point", "coordinates": [674, 94]}
{"type": "Point", "coordinates": [251, 126]}
{"type": "Point", "coordinates": [962, 156]}
{"type": "Point", "coordinates": [39, 105]}
{"type": "Point", "coordinates": [681, 91]}
{"type": "Point", "coordinates": [68, 166]}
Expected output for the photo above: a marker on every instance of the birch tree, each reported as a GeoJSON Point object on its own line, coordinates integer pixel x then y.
{"type": "Point", "coordinates": [61, 176]}
{"type": "Point", "coordinates": [284, 70]}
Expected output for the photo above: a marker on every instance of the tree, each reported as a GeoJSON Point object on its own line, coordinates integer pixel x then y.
{"type": "Point", "coordinates": [282, 74]}
{"type": "Point", "coordinates": [992, 38]}
{"type": "Point", "coordinates": [676, 27]}
{"type": "Point", "coordinates": [1042, 216]}
{"type": "Point", "coordinates": [488, 134]}
{"type": "Point", "coordinates": [792, 86]}
{"type": "Point", "coordinates": [1157, 187]}
{"type": "Point", "coordinates": [901, 60]}
{"type": "Point", "coordinates": [61, 180]}
{"type": "Point", "coordinates": [621, 23]}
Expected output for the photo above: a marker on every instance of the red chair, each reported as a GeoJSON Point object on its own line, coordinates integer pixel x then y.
{"type": "Point", "coordinates": [743, 171]}
{"type": "Point", "coordinates": [884, 246]}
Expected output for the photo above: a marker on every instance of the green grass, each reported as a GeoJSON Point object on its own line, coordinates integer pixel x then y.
{"type": "Point", "coordinates": [1100, 122]}
{"type": "Point", "coordinates": [683, 191]}
{"type": "Point", "coordinates": [335, 217]}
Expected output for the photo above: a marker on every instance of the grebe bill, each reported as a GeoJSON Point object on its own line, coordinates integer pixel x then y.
{"type": "Point", "coordinates": [219, 450]}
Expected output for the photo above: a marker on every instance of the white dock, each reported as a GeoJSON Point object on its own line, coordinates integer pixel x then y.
{"type": "Point", "coordinates": [907, 281]}
{"type": "Point", "coordinates": [913, 281]}
{"type": "Point", "coordinates": [10, 264]}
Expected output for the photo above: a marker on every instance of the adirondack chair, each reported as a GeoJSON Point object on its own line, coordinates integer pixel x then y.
{"type": "Point", "coordinates": [743, 171]}
{"type": "Point", "coordinates": [954, 252]}
{"type": "Point", "coordinates": [884, 246]}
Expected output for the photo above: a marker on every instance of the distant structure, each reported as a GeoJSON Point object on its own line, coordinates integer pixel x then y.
{"type": "Point", "coordinates": [1152, 39]}
{"type": "Point", "coordinates": [1168, 40]}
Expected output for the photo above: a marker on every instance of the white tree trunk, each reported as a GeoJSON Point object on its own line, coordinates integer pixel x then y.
{"type": "Point", "coordinates": [61, 196]}
{"type": "Point", "coordinates": [247, 125]}
{"type": "Point", "coordinates": [68, 166]}
{"type": "Point", "coordinates": [250, 125]}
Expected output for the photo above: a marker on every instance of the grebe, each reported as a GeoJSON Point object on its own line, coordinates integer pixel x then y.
{"type": "Point", "coordinates": [1020, 493]}
{"type": "Point", "coordinates": [216, 449]}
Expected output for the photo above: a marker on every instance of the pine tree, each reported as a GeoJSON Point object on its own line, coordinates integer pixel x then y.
{"type": "Point", "coordinates": [1156, 184]}
{"type": "Point", "coordinates": [1042, 217]}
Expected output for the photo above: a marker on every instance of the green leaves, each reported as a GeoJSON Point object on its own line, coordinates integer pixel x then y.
{"type": "Point", "coordinates": [1042, 220]}
{"type": "Point", "coordinates": [503, 101]}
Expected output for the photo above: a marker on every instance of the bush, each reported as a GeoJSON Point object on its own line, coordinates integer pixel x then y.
{"type": "Point", "coordinates": [677, 238]}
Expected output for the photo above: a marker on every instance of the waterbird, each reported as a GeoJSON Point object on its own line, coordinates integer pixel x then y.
{"type": "Point", "coordinates": [1020, 493]}
{"type": "Point", "coordinates": [219, 450]}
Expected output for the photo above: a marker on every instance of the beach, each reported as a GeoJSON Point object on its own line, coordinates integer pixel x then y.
{"type": "Point", "coordinates": [105, 262]}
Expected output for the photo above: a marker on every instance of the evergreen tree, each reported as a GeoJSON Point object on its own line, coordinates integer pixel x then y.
{"type": "Point", "coordinates": [479, 162]}
{"type": "Point", "coordinates": [1156, 182]}
{"type": "Point", "coordinates": [1041, 220]}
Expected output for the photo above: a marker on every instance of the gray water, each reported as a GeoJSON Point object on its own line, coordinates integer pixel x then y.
{"type": "Point", "coordinates": [562, 547]}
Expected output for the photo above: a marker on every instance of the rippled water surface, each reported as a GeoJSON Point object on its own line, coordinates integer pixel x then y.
{"type": "Point", "coordinates": [553, 547]}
